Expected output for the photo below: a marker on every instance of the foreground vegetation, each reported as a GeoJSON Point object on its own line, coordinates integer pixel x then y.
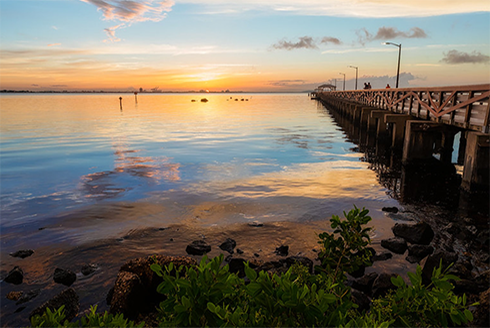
{"type": "Point", "coordinates": [209, 295]}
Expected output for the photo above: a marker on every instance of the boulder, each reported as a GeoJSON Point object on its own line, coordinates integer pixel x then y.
{"type": "Point", "coordinates": [390, 209]}
{"type": "Point", "coordinates": [396, 245]}
{"type": "Point", "coordinates": [382, 284]}
{"type": "Point", "coordinates": [282, 250]}
{"type": "Point", "coordinates": [237, 265]}
{"type": "Point", "coordinates": [135, 289]}
{"type": "Point", "coordinates": [14, 296]}
{"type": "Point", "coordinates": [420, 233]}
{"type": "Point", "coordinates": [15, 276]}
{"type": "Point", "coordinates": [198, 247]}
{"type": "Point", "coordinates": [383, 256]}
{"type": "Point", "coordinates": [300, 260]}
{"type": "Point", "coordinates": [22, 253]}
{"type": "Point", "coordinates": [365, 283]}
{"type": "Point", "coordinates": [28, 296]}
{"type": "Point", "coordinates": [360, 299]}
{"type": "Point", "coordinates": [228, 245]}
{"type": "Point", "coordinates": [417, 252]}
{"type": "Point", "coordinates": [65, 277]}
{"type": "Point", "coordinates": [68, 298]}
{"type": "Point", "coordinates": [434, 260]}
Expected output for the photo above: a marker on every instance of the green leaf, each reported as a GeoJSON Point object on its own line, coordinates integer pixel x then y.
{"type": "Point", "coordinates": [468, 315]}
{"type": "Point", "coordinates": [251, 274]}
{"type": "Point", "coordinates": [211, 307]}
{"type": "Point", "coordinates": [397, 281]}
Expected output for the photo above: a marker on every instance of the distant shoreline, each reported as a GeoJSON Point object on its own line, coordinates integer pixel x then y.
{"type": "Point", "coordinates": [150, 92]}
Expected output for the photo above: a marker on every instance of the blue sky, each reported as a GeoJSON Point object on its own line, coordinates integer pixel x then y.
{"type": "Point", "coordinates": [246, 45]}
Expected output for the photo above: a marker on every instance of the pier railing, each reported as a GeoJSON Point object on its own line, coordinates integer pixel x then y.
{"type": "Point", "coordinates": [463, 106]}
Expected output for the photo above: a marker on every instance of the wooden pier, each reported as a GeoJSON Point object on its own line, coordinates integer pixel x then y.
{"type": "Point", "coordinates": [422, 122]}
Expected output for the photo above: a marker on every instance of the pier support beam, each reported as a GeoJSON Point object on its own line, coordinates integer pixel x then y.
{"type": "Point", "coordinates": [477, 162]}
{"type": "Point", "coordinates": [420, 138]}
{"type": "Point", "coordinates": [399, 123]}
{"type": "Point", "coordinates": [378, 120]}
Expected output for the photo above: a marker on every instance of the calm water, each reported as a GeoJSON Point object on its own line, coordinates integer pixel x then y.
{"type": "Point", "coordinates": [279, 157]}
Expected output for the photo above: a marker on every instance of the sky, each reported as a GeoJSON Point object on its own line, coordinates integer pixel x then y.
{"type": "Point", "coordinates": [245, 45]}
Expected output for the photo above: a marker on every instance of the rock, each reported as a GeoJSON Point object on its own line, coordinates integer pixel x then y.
{"type": "Point", "coordinates": [256, 254]}
{"type": "Point", "coordinates": [14, 296]}
{"type": "Point", "coordinates": [204, 100]}
{"type": "Point", "coordinates": [65, 277]}
{"type": "Point", "coordinates": [15, 276]}
{"type": "Point", "coordinates": [382, 256]}
{"type": "Point", "coordinates": [359, 272]}
{"type": "Point", "coordinates": [129, 295]}
{"type": "Point", "coordinates": [300, 260]}
{"type": "Point", "coordinates": [68, 298]}
{"type": "Point", "coordinates": [451, 228]}
{"type": "Point", "coordinates": [22, 253]}
{"type": "Point", "coordinates": [135, 289]}
{"type": "Point", "coordinates": [365, 283]}
{"type": "Point", "coordinates": [239, 251]}
{"type": "Point", "coordinates": [482, 312]}
{"type": "Point", "coordinates": [108, 298]}
{"type": "Point", "coordinates": [198, 247]}
{"type": "Point", "coordinates": [400, 217]}
{"type": "Point", "coordinates": [237, 266]}
{"type": "Point", "coordinates": [390, 209]}
{"type": "Point", "coordinates": [228, 245]}
{"type": "Point", "coordinates": [89, 269]}
{"type": "Point", "coordinates": [271, 265]}
{"type": "Point", "coordinates": [433, 262]}
{"type": "Point", "coordinates": [417, 252]}
{"type": "Point", "coordinates": [420, 233]}
{"type": "Point", "coordinates": [282, 250]}
{"type": "Point", "coordinates": [382, 284]}
{"type": "Point", "coordinates": [20, 309]}
{"type": "Point", "coordinates": [256, 224]}
{"type": "Point", "coordinates": [28, 296]}
{"type": "Point", "coordinates": [465, 286]}
{"type": "Point", "coordinates": [396, 245]}
{"type": "Point", "coordinates": [360, 299]}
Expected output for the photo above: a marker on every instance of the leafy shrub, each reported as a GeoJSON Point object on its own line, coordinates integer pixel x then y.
{"type": "Point", "coordinates": [57, 319]}
{"type": "Point", "coordinates": [345, 250]}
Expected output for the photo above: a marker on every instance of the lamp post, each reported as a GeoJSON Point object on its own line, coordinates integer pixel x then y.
{"type": "Point", "coordinates": [357, 68]}
{"type": "Point", "coordinates": [344, 80]}
{"type": "Point", "coordinates": [399, 55]}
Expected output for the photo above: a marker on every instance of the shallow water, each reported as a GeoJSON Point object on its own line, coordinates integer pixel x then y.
{"type": "Point", "coordinates": [268, 158]}
{"type": "Point", "coordinates": [83, 181]}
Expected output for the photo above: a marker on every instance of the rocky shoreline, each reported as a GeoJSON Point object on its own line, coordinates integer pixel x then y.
{"type": "Point", "coordinates": [134, 291]}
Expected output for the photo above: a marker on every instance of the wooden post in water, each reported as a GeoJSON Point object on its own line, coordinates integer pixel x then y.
{"type": "Point", "coordinates": [477, 162]}
{"type": "Point", "coordinates": [136, 97]}
{"type": "Point", "coordinates": [120, 103]}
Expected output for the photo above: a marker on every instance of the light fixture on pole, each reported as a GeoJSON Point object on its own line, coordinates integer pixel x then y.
{"type": "Point", "coordinates": [344, 80]}
{"type": "Point", "coordinates": [357, 68]}
{"type": "Point", "coordinates": [399, 56]}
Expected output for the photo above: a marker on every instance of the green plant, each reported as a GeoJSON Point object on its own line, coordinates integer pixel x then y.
{"type": "Point", "coordinates": [419, 305]}
{"type": "Point", "coordinates": [345, 250]}
{"type": "Point", "coordinates": [92, 319]}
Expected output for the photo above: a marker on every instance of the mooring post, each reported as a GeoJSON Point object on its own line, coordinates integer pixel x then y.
{"type": "Point", "coordinates": [477, 162]}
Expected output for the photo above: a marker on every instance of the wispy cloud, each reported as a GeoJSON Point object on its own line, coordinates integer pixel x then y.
{"type": "Point", "coordinates": [54, 44]}
{"type": "Point", "coordinates": [329, 39]}
{"type": "Point", "coordinates": [287, 83]}
{"type": "Point", "coordinates": [305, 42]}
{"type": "Point", "coordinates": [129, 12]}
{"type": "Point", "coordinates": [455, 57]}
{"type": "Point", "coordinates": [387, 33]}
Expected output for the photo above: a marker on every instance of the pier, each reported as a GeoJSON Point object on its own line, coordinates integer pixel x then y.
{"type": "Point", "coordinates": [420, 125]}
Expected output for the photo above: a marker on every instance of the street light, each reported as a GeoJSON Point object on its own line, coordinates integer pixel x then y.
{"type": "Point", "coordinates": [344, 80]}
{"type": "Point", "coordinates": [399, 55]}
{"type": "Point", "coordinates": [357, 68]}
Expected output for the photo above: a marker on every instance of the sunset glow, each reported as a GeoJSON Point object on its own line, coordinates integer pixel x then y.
{"type": "Point", "coordinates": [277, 46]}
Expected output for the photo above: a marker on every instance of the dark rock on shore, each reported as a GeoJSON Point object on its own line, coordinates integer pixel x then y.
{"type": "Point", "coordinates": [228, 245]}
{"type": "Point", "coordinates": [134, 292]}
{"type": "Point", "coordinates": [239, 251]}
{"type": "Point", "coordinates": [22, 253]}
{"type": "Point", "coordinates": [390, 209]}
{"type": "Point", "coordinates": [237, 265]}
{"type": "Point", "coordinates": [482, 312]}
{"type": "Point", "coordinates": [198, 247]}
{"type": "Point", "coordinates": [433, 262]}
{"type": "Point", "coordinates": [365, 283]}
{"type": "Point", "coordinates": [28, 296]}
{"type": "Point", "coordinates": [396, 245]}
{"type": "Point", "coordinates": [88, 269]}
{"type": "Point", "coordinates": [282, 250]}
{"type": "Point", "coordinates": [382, 284]}
{"type": "Point", "coordinates": [420, 233]}
{"type": "Point", "coordinates": [15, 276]}
{"type": "Point", "coordinates": [256, 224]}
{"type": "Point", "coordinates": [68, 298]}
{"type": "Point", "coordinates": [360, 299]}
{"type": "Point", "coordinates": [417, 252]}
{"type": "Point", "coordinates": [65, 277]}
{"type": "Point", "coordinates": [300, 260]}
{"type": "Point", "coordinates": [382, 256]}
